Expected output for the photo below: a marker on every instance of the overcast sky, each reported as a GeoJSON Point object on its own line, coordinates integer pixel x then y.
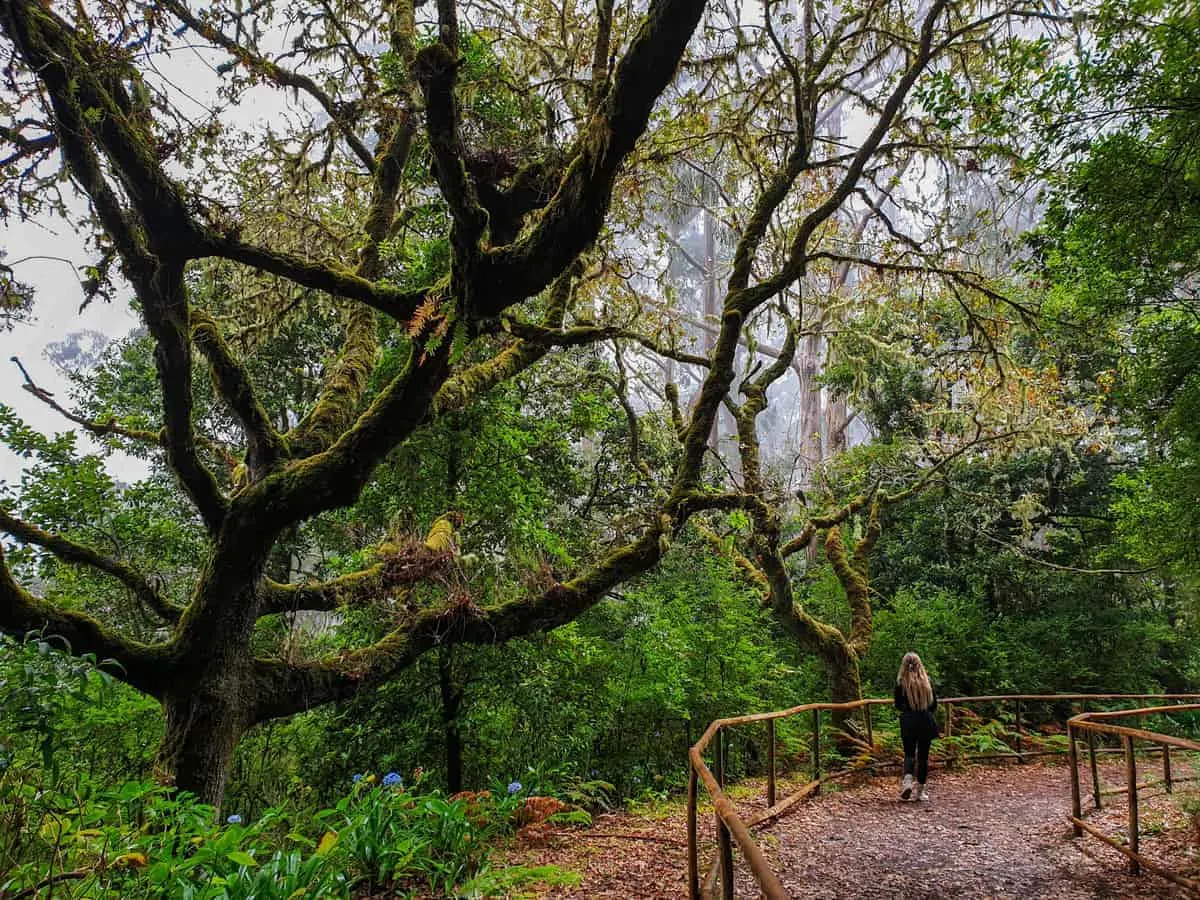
{"type": "Point", "coordinates": [57, 312]}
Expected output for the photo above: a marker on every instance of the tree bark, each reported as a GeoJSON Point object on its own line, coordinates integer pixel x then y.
{"type": "Point", "coordinates": [845, 684]}
{"type": "Point", "coordinates": [202, 728]}
{"type": "Point", "coordinates": [451, 704]}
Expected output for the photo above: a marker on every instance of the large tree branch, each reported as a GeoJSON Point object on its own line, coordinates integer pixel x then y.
{"type": "Point", "coordinates": [263, 445]}
{"type": "Point", "coordinates": [354, 589]}
{"type": "Point", "coordinates": [22, 613]}
{"type": "Point", "coordinates": [581, 335]}
{"type": "Point", "coordinates": [435, 70]}
{"type": "Point", "coordinates": [854, 584]}
{"type": "Point", "coordinates": [466, 384]}
{"type": "Point", "coordinates": [337, 405]}
{"type": "Point", "coordinates": [165, 308]}
{"type": "Point", "coordinates": [83, 74]}
{"type": "Point", "coordinates": [286, 689]}
{"type": "Point", "coordinates": [573, 218]}
{"type": "Point", "coordinates": [68, 70]}
{"type": "Point", "coordinates": [395, 574]}
{"type": "Point", "coordinates": [334, 477]}
{"type": "Point", "coordinates": [328, 277]}
{"type": "Point", "coordinates": [831, 519]}
{"type": "Point", "coordinates": [78, 554]}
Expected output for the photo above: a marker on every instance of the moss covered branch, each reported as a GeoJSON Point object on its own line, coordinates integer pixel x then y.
{"type": "Point", "coordinates": [465, 385]}
{"type": "Point", "coordinates": [334, 477]}
{"type": "Point", "coordinates": [77, 79]}
{"type": "Point", "coordinates": [286, 689]}
{"type": "Point", "coordinates": [80, 72]}
{"type": "Point", "coordinates": [232, 381]}
{"type": "Point", "coordinates": [165, 308]}
{"type": "Point", "coordinates": [79, 554]}
{"type": "Point", "coordinates": [435, 69]}
{"type": "Point", "coordinates": [329, 277]}
{"type": "Point", "coordinates": [22, 613]}
{"type": "Point", "coordinates": [855, 584]}
{"type": "Point", "coordinates": [337, 405]}
{"type": "Point", "coordinates": [573, 218]}
{"type": "Point", "coordinates": [393, 576]}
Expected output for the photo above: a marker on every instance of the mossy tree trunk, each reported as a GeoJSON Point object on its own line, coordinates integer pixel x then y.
{"type": "Point", "coordinates": [838, 652]}
{"type": "Point", "coordinates": [202, 729]}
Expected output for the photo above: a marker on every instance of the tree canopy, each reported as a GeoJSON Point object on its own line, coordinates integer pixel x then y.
{"type": "Point", "coordinates": [420, 353]}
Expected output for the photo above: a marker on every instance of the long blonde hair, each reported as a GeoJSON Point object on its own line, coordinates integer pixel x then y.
{"type": "Point", "coordinates": [914, 681]}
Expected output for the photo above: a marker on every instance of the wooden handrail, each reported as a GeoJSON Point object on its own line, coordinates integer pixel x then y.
{"type": "Point", "coordinates": [731, 828]}
{"type": "Point", "coordinates": [1088, 723]}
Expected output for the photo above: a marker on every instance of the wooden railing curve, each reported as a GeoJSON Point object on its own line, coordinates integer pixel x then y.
{"type": "Point", "coordinates": [1093, 723]}
{"type": "Point", "coordinates": [732, 828]}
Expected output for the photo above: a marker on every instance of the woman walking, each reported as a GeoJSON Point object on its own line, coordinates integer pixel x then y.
{"type": "Point", "coordinates": [916, 701]}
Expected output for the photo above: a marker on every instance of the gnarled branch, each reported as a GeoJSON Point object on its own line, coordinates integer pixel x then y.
{"type": "Point", "coordinates": [573, 218]}
{"type": "Point", "coordinates": [22, 613]}
{"type": "Point", "coordinates": [277, 74]}
{"type": "Point", "coordinates": [263, 445]}
{"type": "Point", "coordinates": [78, 554]}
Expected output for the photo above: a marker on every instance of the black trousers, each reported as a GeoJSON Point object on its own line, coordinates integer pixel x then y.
{"type": "Point", "coordinates": [916, 745]}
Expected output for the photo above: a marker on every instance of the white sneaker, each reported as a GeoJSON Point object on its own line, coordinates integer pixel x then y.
{"type": "Point", "coordinates": [906, 788]}
{"type": "Point", "coordinates": [922, 793]}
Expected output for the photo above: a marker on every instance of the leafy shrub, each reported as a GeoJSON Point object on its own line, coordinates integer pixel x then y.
{"type": "Point", "coordinates": [145, 840]}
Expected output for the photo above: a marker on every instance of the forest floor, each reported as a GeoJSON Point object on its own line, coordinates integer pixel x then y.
{"type": "Point", "coordinates": [986, 832]}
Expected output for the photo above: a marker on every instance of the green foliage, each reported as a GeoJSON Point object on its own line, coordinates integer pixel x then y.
{"type": "Point", "coordinates": [1120, 249]}
{"type": "Point", "coordinates": [142, 840]}
{"type": "Point", "coordinates": [969, 583]}
{"type": "Point", "coordinates": [597, 711]}
{"type": "Point", "coordinates": [60, 713]}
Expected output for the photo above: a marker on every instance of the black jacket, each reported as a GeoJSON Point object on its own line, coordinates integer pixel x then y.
{"type": "Point", "coordinates": [917, 722]}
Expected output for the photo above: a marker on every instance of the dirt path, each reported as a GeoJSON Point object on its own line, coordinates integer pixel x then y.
{"type": "Point", "coordinates": [987, 833]}
{"type": "Point", "coordinates": [996, 833]}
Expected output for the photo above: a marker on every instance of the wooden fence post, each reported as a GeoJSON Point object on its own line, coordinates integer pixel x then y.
{"type": "Point", "coordinates": [1073, 760]}
{"type": "Point", "coordinates": [1167, 767]}
{"type": "Point", "coordinates": [724, 839]}
{"type": "Point", "coordinates": [1020, 754]}
{"type": "Point", "coordinates": [870, 730]}
{"type": "Point", "coordinates": [726, 849]}
{"type": "Point", "coordinates": [1095, 771]}
{"type": "Point", "coordinates": [770, 762]}
{"type": "Point", "coordinates": [1131, 777]}
{"type": "Point", "coordinates": [816, 748]}
{"type": "Point", "coordinates": [693, 852]}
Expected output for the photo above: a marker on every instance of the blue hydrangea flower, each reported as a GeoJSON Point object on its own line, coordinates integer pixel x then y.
{"type": "Point", "coordinates": [235, 819]}
{"type": "Point", "coordinates": [357, 778]}
{"type": "Point", "coordinates": [514, 787]}
{"type": "Point", "coordinates": [391, 779]}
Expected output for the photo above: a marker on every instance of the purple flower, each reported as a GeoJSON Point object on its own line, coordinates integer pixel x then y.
{"type": "Point", "coordinates": [235, 819]}
{"type": "Point", "coordinates": [514, 787]}
{"type": "Point", "coordinates": [392, 779]}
